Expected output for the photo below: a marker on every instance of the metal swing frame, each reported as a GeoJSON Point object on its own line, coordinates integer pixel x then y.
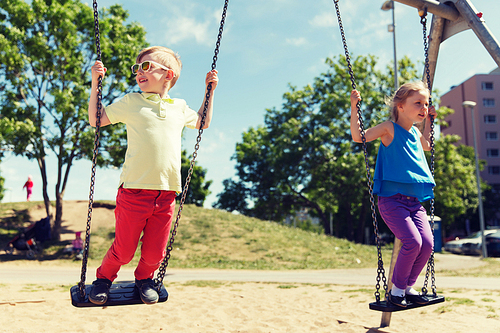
{"type": "Point", "coordinates": [125, 293]}
{"type": "Point", "coordinates": [384, 305]}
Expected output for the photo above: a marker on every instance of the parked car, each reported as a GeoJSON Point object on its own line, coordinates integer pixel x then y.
{"type": "Point", "coordinates": [493, 244]}
{"type": "Point", "coordinates": [476, 248]}
{"type": "Point", "coordinates": [468, 245]}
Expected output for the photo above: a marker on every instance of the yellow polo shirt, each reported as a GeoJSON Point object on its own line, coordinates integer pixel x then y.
{"type": "Point", "coordinates": [154, 128]}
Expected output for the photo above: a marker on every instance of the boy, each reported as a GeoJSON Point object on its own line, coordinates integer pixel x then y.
{"type": "Point", "coordinates": [151, 176]}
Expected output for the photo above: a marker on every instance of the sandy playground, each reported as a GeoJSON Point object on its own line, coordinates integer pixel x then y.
{"type": "Point", "coordinates": [34, 297]}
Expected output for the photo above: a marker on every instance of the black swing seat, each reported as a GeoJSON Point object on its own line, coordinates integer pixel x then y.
{"type": "Point", "coordinates": [386, 306]}
{"type": "Point", "coordinates": [120, 293]}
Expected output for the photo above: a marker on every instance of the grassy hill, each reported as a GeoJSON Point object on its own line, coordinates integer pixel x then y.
{"type": "Point", "coordinates": [218, 239]}
{"type": "Point", "coordinates": [210, 238]}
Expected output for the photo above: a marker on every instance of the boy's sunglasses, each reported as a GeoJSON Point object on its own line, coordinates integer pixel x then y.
{"type": "Point", "coordinates": [146, 66]}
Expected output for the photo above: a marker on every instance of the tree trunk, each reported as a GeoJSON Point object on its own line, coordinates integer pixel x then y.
{"type": "Point", "coordinates": [349, 222]}
{"type": "Point", "coordinates": [325, 220]}
{"type": "Point", "coordinates": [361, 225]}
{"type": "Point", "coordinates": [58, 219]}
{"type": "Point", "coordinates": [43, 172]}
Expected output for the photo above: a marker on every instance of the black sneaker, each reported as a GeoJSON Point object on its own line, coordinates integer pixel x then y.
{"type": "Point", "coordinates": [147, 291]}
{"type": "Point", "coordinates": [399, 301]}
{"type": "Point", "coordinates": [419, 299]}
{"type": "Point", "coordinates": [100, 291]}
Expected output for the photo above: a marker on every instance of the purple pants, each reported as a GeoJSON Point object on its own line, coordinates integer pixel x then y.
{"type": "Point", "coordinates": [407, 219]}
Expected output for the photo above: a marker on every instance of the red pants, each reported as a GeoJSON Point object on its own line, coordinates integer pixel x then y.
{"type": "Point", "coordinates": [137, 211]}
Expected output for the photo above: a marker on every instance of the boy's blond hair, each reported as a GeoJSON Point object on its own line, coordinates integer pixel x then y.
{"type": "Point", "coordinates": [166, 57]}
{"type": "Point", "coordinates": [402, 94]}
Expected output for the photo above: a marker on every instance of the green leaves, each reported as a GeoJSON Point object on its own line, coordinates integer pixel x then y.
{"type": "Point", "coordinates": [198, 187]}
{"type": "Point", "coordinates": [47, 51]}
{"type": "Point", "coordinates": [456, 186]}
{"type": "Point", "coordinates": [303, 155]}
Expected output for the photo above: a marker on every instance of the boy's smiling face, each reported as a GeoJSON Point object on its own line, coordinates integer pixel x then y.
{"type": "Point", "coordinates": [155, 79]}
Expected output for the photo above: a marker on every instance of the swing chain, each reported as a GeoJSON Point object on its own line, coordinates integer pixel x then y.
{"type": "Point", "coordinates": [163, 267]}
{"type": "Point", "coordinates": [380, 266]}
{"type": "Point", "coordinates": [430, 262]}
{"type": "Point", "coordinates": [81, 284]}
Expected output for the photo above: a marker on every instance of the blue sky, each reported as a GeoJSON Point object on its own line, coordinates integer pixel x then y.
{"type": "Point", "coordinates": [266, 45]}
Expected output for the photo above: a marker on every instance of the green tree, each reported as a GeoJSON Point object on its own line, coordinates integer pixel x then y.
{"type": "Point", "coordinates": [491, 200]}
{"type": "Point", "coordinates": [2, 189]}
{"type": "Point", "coordinates": [47, 50]}
{"type": "Point", "coordinates": [234, 197]}
{"type": "Point", "coordinates": [198, 187]}
{"type": "Point", "coordinates": [454, 171]}
{"type": "Point", "coordinates": [456, 184]}
{"type": "Point", "coordinates": [303, 155]}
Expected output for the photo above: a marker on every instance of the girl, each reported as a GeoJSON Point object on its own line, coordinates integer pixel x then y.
{"type": "Point", "coordinates": [402, 180]}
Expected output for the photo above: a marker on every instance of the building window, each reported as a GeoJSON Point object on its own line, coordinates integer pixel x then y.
{"type": "Point", "coordinates": [490, 119]}
{"type": "Point", "coordinates": [489, 102]}
{"type": "Point", "coordinates": [492, 152]}
{"type": "Point", "coordinates": [491, 136]}
{"type": "Point", "coordinates": [487, 85]}
{"type": "Point", "coordinates": [494, 170]}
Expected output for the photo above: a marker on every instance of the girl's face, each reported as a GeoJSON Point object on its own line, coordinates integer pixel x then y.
{"type": "Point", "coordinates": [415, 108]}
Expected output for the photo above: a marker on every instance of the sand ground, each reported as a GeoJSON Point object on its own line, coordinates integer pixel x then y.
{"type": "Point", "coordinates": [218, 301]}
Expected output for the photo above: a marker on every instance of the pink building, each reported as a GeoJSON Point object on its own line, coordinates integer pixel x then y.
{"type": "Point", "coordinates": [484, 89]}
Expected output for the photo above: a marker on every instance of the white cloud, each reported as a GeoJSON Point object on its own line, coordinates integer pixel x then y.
{"type": "Point", "coordinates": [326, 19]}
{"type": "Point", "coordinates": [296, 41]}
{"type": "Point", "coordinates": [215, 143]}
{"type": "Point", "coordinates": [185, 28]}
{"type": "Point", "coordinates": [190, 22]}
{"type": "Point", "coordinates": [318, 66]}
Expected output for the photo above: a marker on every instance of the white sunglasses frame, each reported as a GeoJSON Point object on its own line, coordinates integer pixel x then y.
{"type": "Point", "coordinates": [151, 61]}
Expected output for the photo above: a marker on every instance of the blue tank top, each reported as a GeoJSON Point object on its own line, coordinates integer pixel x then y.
{"type": "Point", "coordinates": [402, 168]}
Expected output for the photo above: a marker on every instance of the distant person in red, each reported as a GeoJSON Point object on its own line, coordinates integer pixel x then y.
{"type": "Point", "coordinates": [29, 188]}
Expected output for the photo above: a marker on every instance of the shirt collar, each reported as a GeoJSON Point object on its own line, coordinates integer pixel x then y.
{"type": "Point", "coordinates": [156, 98]}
